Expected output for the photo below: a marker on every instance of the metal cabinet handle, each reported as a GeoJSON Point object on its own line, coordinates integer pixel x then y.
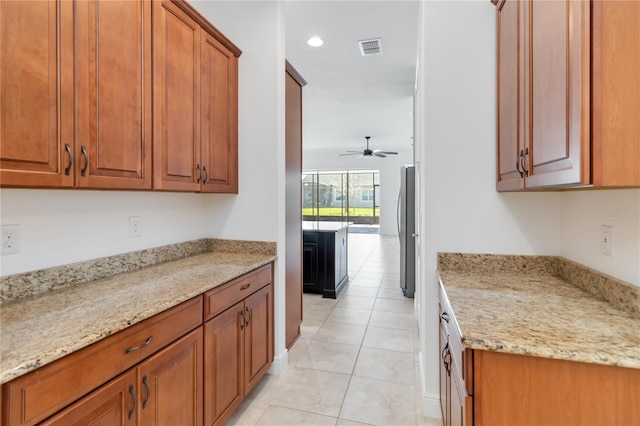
{"type": "Point", "coordinates": [445, 317]}
{"type": "Point", "coordinates": [244, 320]}
{"type": "Point", "coordinates": [145, 382]}
{"type": "Point", "coordinates": [444, 355]}
{"type": "Point", "coordinates": [135, 400]}
{"type": "Point", "coordinates": [522, 163]}
{"type": "Point", "coordinates": [248, 316]}
{"type": "Point", "coordinates": [83, 149]}
{"type": "Point", "coordinates": [518, 161]}
{"type": "Point", "coordinates": [206, 175]}
{"type": "Point", "coordinates": [67, 170]}
{"type": "Point", "coordinates": [198, 173]}
{"type": "Point", "coordinates": [135, 348]}
{"type": "Point", "coordinates": [246, 286]}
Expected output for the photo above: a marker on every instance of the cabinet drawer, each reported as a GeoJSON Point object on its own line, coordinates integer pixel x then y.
{"type": "Point", "coordinates": [34, 396]}
{"type": "Point", "coordinates": [227, 295]}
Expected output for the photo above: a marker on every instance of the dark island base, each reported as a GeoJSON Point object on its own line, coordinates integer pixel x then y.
{"type": "Point", "coordinates": [324, 258]}
{"type": "Point", "coordinates": [328, 293]}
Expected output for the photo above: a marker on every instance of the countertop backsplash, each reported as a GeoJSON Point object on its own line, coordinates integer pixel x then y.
{"type": "Point", "coordinates": [19, 286]}
{"type": "Point", "coordinates": [618, 293]}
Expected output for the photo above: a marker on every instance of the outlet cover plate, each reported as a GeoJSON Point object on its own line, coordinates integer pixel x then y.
{"type": "Point", "coordinates": [10, 239]}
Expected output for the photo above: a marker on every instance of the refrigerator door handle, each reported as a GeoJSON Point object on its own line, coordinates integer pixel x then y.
{"type": "Point", "coordinates": [398, 213]}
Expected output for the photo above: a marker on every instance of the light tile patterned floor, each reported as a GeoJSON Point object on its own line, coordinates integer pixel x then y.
{"type": "Point", "coordinates": [355, 362]}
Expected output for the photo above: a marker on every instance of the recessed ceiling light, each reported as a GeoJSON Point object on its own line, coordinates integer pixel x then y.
{"type": "Point", "coordinates": [315, 42]}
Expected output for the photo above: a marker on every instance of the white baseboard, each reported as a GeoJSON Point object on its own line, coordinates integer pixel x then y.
{"type": "Point", "coordinates": [430, 402]}
{"type": "Point", "coordinates": [279, 363]}
{"type": "Point", "coordinates": [431, 406]}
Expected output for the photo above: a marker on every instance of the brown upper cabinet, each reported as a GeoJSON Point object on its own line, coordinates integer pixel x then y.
{"type": "Point", "coordinates": [196, 103]}
{"type": "Point", "coordinates": [568, 94]}
{"type": "Point", "coordinates": [77, 97]}
{"type": "Point", "coordinates": [104, 140]}
{"type": "Point", "coordinates": [36, 94]}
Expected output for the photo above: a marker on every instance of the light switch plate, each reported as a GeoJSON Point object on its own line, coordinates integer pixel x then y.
{"type": "Point", "coordinates": [606, 240]}
{"type": "Point", "coordinates": [135, 226]}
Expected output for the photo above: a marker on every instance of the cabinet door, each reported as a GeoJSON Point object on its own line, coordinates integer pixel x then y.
{"type": "Point", "coordinates": [113, 94]}
{"type": "Point", "coordinates": [224, 364]}
{"type": "Point", "coordinates": [170, 384]}
{"type": "Point", "coordinates": [176, 89]}
{"type": "Point", "coordinates": [511, 95]}
{"type": "Point", "coordinates": [219, 125]}
{"type": "Point", "coordinates": [36, 93]}
{"type": "Point", "coordinates": [258, 336]}
{"type": "Point", "coordinates": [559, 141]}
{"type": "Point", "coordinates": [461, 404]}
{"type": "Point", "coordinates": [110, 405]}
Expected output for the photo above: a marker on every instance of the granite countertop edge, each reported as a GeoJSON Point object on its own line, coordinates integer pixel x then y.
{"type": "Point", "coordinates": [38, 330]}
{"type": "Point", "coordinates": [551, 317]}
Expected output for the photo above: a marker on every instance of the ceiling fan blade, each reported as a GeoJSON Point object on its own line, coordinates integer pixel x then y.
{"type": "Point", "coordinates": [377, 154]}
{"type": "Point", "coordinates": [385, 152]}
{"type": "Point", "coordinates": [351, 153]}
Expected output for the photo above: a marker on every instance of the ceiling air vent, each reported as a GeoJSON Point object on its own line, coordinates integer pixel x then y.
{"type": "Point", "coordinates": [370, 47]}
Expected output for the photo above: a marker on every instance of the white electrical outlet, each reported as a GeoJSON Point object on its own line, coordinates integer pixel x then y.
{"type": "Point", "coordinates": [10, 239]}
{"type": "Point", "coordinates": [606, 240]}
{"type": "Point", "coordinates": [135, 226]}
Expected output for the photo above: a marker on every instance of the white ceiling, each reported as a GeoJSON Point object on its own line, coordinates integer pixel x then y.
{"type": "Point", "coordinates": [350, 96]}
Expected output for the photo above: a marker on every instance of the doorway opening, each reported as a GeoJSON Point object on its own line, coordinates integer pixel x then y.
{"type": "Point", "coordinates": [343, 196]}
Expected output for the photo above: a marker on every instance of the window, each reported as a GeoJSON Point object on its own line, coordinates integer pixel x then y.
{"type": "Point", "coordinates": [366, 195]}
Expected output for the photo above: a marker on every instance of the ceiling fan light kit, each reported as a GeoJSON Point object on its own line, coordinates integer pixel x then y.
{"type": "Point", "coordinates": [369, 153]}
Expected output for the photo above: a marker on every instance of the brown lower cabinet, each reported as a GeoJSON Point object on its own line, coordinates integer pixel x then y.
{"type": "Point", "coordinates": [165, 389]}
{"type": "Point", "coordinates": [238, 343]}
{"type": "Point", "coordinates": [167, 370]}
{"type": "Point", "coordinates": [485, 388]}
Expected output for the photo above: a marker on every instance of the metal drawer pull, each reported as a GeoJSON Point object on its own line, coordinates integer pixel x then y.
{"type": "Point", "coordinates": [244, 320]}
{"type": "Point", "coordinates": [198, 173]}
{"type": "Point", "coordinates": [135, 400]}
{"type": "Point", "coordinates": [445, 317]}
{"type": "Point", "coordinates": [145, 382]}
{"type": "Point", "coordinates": [68, 168]}
{"type": "Point", "coordinates": [135, 348]}
{"type": "Point", "coordinates": [248, 316]}
{"type": "Point", "coordinates": [206, 174]}
{"type": "Point", "coordinates": [246, 286]}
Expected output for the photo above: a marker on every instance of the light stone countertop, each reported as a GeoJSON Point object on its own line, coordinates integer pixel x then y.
{"type": "Point", "coordinates": [37, 330]}
{"type": "Point", "coordinates": [540, 314]}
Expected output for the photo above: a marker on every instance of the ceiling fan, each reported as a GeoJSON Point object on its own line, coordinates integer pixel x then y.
{"type": "Point", "coordinates": [369, 153]}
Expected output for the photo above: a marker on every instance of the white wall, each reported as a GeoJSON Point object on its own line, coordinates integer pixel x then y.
{"type": "Point", "coordinates": [258, 211]}
{"type": "Point", "coordinates": [65, 226]}
{"type": "Point", "coordinates": [253, 27]}
{"type": "Point", "coordinates": [584, 213]}
{"type": "Point", "coordinates": [389, 177]}
{"type": "Point", "coordinates": [461, 209]}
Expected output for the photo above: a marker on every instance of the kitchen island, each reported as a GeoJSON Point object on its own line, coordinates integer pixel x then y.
{"type": "Point", "coordinates": [324, 257]}
{"type": "Point", "coordinates": [536, 340]}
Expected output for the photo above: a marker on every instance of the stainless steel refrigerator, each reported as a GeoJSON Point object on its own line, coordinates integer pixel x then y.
{"type": "Point", "coordinates": [407, 230]}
